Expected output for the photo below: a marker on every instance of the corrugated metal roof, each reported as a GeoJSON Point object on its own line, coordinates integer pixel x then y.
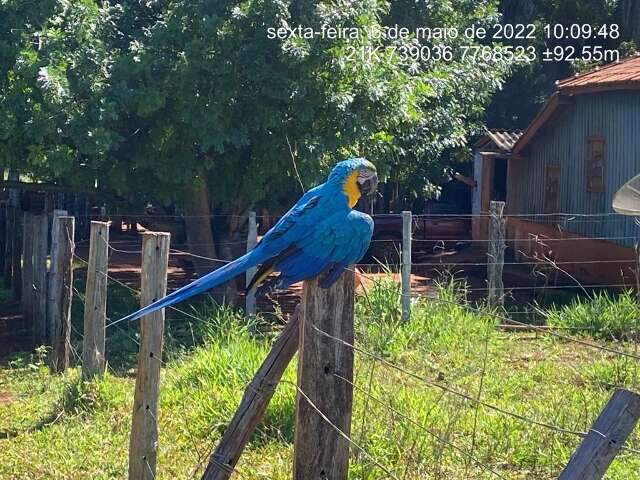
{"type": "Point", "coordinates": [505, 139]}
{"type": "Point", "coordinates": [501, 141]}
{"type": "Point", "coordinates": [614, 76]}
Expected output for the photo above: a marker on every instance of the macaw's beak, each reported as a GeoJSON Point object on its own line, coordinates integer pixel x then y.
{"type": "Point", "coordinates": [367, 183]}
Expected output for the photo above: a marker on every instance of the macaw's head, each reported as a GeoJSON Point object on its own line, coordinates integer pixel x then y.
{"type": "Point", "coordinates": [356, 177]}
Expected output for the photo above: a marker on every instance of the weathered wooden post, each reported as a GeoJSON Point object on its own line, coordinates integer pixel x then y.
{"type": "Point", "coordinates": [60, 292]}
{"type": "Point", "coordinates": [95, 305]}
{"type": "Point", "coordinates": [605, 438]}
{"type": "Point", "coordinates": [4, 215]}
{"type": "Point", "coordinates": [55, 214]}
{"type": "Point", "coordinates": [40, 246]}
{"type": "Point", "coordinates": [254, 402]}
{"type": "Point", "coordinates": [26, 299]}
{"type": "Point", "coordinates": [13, 263]}
{"type": "Point", "coordinates": [52, 277]}
{"type": "Point", "coordinates": [252, 240]}
{"type": "Point", "coordinates": [143, 443]}
{"type": "Point", "coordinates": [320, 451]}
{"type": "Point", "coordinates": [406, 265]}
{"type": "Point", "coordinates": [495, 255]}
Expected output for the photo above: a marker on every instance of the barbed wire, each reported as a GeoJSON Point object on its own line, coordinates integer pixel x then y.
{"type": "Point", "coordinates": [464, 395]}
{"type": "Point", "coordinates": [137, 292]}
{"type": "Point", "coordinates": [161, 216]}
{"type": "Point", "coordinates": [420, 426]}
{"type": "Point", "coordinates": [509, 320]}
{"type": "Point", "coordinates": [480, 264]}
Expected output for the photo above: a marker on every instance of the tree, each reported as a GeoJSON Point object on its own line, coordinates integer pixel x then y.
{"type": "Point", "coordinates": [530, 85]}
{"type": "Point", "coordinates": [195, 102]}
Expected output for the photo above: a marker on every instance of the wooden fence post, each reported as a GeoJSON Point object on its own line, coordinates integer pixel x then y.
{"type": "Point", "coordinates": [4, 216]}
{"type": "Point", "coordinates": [16, 263]}
{"type": "Point", "coordinates": [320, 451]}
{"type": "Point", "coordinates": [61, 292]}
{"type": "Point", "coordinates": [406, 265]}
{"type": "Point", "coordinates": [95, 305]}
{"type": "Point", "coordinates": [605, 438]}
{"type": "Point", "coordinates": [13, 243]}
{"type": "Point", "coordinates": [27, 265]}
{"type": "Point", "coordinates": [143, 443]}
{"type": "Point", "coordinates": [252, 240]}
{"type": "Point", "coordinates": [52, 277]}
{"type": "Point", "coordinates": [9, 249]}
{"type": "Point", "coordinates": [254, 402]}
{"type": "Point", "coordinates": [40, 247]}
{"type": "Point", "coordinates": [495, 256]}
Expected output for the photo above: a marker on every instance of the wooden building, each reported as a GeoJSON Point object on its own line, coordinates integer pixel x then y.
{"type": "Point", "coordinates": [563, 171]}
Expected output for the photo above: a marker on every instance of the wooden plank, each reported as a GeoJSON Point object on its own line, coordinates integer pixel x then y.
{"type": "Point", "coordinates": [406, 265]}
{"type": "Point", "coordinates": [254, 402]}
{"type": "Point", "coordinates": [40, 247]}
{"type": "Point", "coordinates": [16, 267]}
{"type": "Point", "coordinates": [319, 450]}
{"type": "Point", "coordinates": [8, 233]}
{"type": "Point", "coordinates": [4, 258]}
{"type": "Point", "coordinates": [495, 255]}
{"type": "Point", "coordinates": [27, 269]}
{"type": "Point", "coordinates": [13, 267]}
{"type": "Point", "coordinates": [95, 306]}
{"type": "Point", "coordinates": [61, 292]}
{"type": "Point", "coordinates": [252, 241]}
{"type": "Point", "coordinates": [143, 443]}
{"type": "Point", "coordinates": [605, 438]}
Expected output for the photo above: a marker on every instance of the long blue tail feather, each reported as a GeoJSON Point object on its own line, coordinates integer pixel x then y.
{"type": "Point", "coordinates": [201, 285]}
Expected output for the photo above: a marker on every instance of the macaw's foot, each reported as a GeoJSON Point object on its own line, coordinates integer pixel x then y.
{"type": "Point", "coordinates": [267, 287]}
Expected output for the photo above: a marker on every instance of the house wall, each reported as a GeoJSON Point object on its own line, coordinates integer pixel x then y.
{"type": "Point", "coordinates": [571, 252]}
{"type": "Point", "coordinates": [563, 141]}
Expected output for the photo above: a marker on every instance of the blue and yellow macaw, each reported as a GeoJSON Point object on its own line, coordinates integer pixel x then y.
{"type": "Point", "coordinates": [320, 235]}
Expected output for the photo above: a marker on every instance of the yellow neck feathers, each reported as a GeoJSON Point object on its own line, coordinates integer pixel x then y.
{"type": "Point", "coordinates": [351, 190]}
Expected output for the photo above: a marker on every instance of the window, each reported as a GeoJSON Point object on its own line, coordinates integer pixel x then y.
{"type": "Point", "coordinates": [552, 189]}
{"type": "Point", "coordinates": [596, 163]}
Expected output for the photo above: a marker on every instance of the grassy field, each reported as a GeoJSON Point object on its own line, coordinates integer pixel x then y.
{"type": "Point", "coordinates": [59, 428]}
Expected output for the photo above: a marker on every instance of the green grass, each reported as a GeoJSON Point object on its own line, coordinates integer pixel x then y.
{"type": "Point", "coordinates": [604, 315]}
{"type": "Point", "coordinates": [57, 427]}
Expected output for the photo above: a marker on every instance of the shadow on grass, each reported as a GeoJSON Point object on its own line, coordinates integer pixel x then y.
{"type": "Point", "coordinates": [78, 397]}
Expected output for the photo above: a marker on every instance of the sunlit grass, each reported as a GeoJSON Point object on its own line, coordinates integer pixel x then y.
{"type": "Point", "coordinates": [59, 428]}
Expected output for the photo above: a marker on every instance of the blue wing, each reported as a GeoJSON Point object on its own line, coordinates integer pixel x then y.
{"type": "Point", "coordinates": [341, 239]}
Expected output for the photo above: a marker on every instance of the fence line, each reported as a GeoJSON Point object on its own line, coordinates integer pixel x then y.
{"type": "Point", "coordinates": [161, 216]}
{"type": "Point", "coordinates": [101, 271]}
{"type": "Point", "coordinates": [450, 390]}
{"type": "Point", "coordinates": [423, 240]}
{"type": "Point", "coordinates": [506, 319]}
{"type": "Point", "coordinates": [516, 322]}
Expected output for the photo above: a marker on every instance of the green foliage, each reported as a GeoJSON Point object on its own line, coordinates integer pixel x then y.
{"type": "Point", "coordinates": [147, 96]}
{"type": "Point", "coordinates": [604, 315]}
{"type": "Point", "coordinates": [529, 85]}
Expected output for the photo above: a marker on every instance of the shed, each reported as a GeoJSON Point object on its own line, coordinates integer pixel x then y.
{"type": "Point", "coordinates": [492, 152]}
{"type": "Point", "coordinates": [564, 169]}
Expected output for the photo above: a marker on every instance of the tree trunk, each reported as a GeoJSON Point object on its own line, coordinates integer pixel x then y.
{"type": "Point", "coordinates": [630, 18]}
{"type": "Point", "coordinates": [198, 228]}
